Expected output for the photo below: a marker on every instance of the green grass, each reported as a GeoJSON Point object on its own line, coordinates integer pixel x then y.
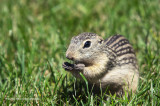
{"type": "Point", "coordinates": [34, 35]}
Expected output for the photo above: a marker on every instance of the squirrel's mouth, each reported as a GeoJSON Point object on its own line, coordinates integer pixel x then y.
{"type": "Point", "coordinates": [75, 62]}
{"type": "Point", "coordinates": [79, 62]}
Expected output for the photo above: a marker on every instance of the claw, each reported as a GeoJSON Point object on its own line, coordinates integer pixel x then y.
{"type": "Point", "coordinates": [67, 66]}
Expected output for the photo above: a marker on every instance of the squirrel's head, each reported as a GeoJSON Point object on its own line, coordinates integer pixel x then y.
{"type": "Point", "coordinates": [85, 48]}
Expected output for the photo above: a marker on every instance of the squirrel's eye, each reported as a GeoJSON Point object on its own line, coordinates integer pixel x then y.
{"type": "Point", "coordinates": [87, 44]}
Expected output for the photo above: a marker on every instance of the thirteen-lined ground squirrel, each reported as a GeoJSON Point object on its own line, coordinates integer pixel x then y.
{"type": "Point", "coordinates": [109, 63]}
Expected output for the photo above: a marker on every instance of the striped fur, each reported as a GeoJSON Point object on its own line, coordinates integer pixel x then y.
{"type": "Point", "coordinates": [121, 50]}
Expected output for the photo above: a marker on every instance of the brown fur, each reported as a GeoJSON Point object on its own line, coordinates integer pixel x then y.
{"type": "Point", "coordinates": [108, 64]}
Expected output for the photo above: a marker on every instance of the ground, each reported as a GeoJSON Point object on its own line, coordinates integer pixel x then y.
{"type": "Point", "coordinates": [34, 35]}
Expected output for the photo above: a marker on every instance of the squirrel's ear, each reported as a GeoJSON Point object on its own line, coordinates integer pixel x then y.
{"type": "Point", "coordinates": [100, 40]}
{"type": "Point", "coordinates": [72, 39]}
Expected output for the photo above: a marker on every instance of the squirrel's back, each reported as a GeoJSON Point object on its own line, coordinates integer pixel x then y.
{"type": "Point", "coordinates": [124, 68]}
{"type": "Point", "coordinates": [120, 51]}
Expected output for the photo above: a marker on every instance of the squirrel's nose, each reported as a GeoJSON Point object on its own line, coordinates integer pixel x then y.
{"type": "Point", "coordinates": [70, 56]}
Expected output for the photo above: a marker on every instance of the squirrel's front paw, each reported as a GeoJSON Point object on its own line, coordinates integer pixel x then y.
{"type": "Point", "coordinates": [67, 66]}
{"type": "Point", "coordinates": [79, 67]}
